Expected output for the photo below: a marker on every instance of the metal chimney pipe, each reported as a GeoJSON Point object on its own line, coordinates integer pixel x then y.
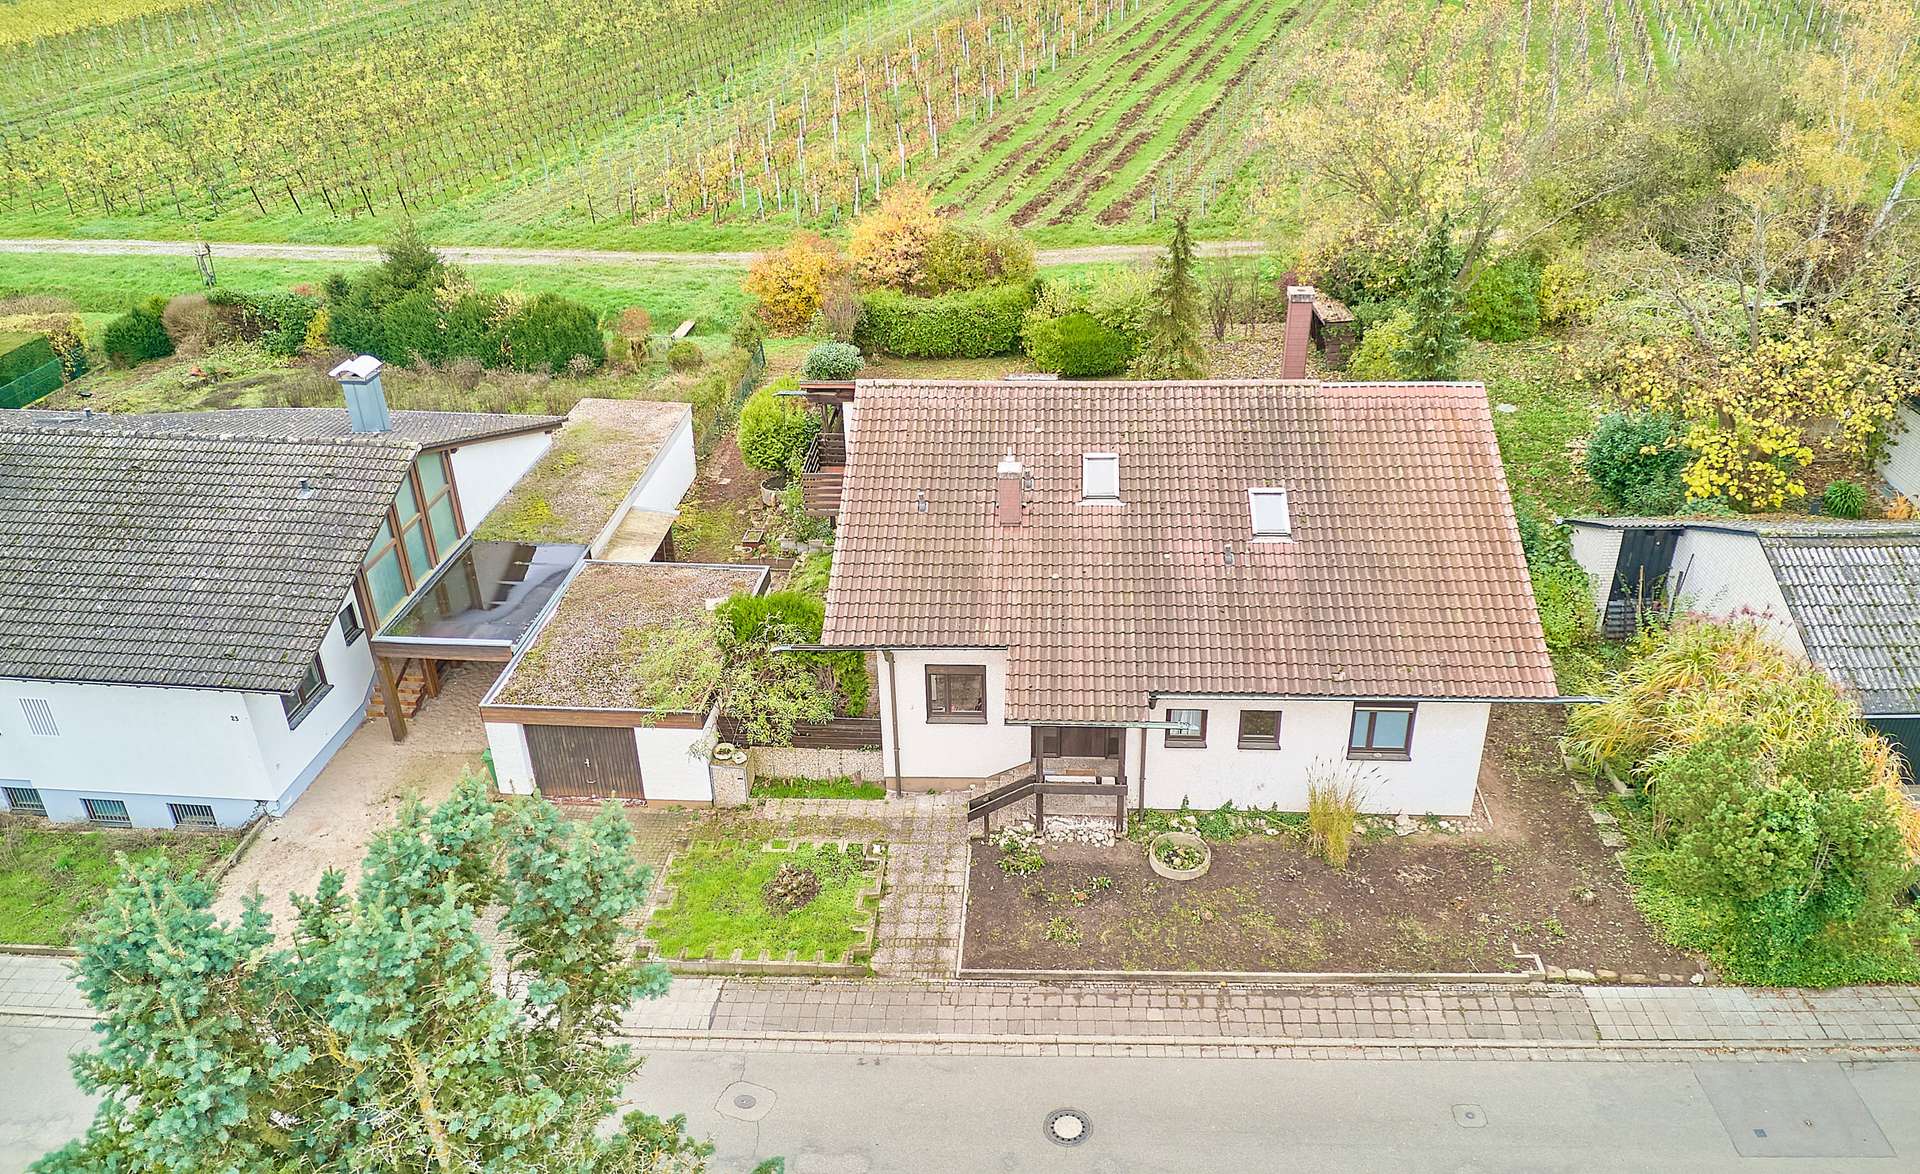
{"type": "Point", "coordinates": [366, 399]}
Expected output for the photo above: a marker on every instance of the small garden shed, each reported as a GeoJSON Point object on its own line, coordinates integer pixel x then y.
{"type": "Point", "coordinates": [613, 696]}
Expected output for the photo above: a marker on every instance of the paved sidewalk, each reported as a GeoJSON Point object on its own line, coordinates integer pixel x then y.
{"type": "Point", "coordinates": [1064, 1016]}
{"type": "Point", "coordinates": [1175, 1019]}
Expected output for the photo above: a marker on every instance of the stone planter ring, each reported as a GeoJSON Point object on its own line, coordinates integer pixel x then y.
{"type": "Point", "coordinates": [1182, 840]}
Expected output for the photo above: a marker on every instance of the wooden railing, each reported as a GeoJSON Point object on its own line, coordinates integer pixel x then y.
{"type": "Point", "coordinates": [1030, 787]}
{"type": "Point", "coordinates": [841, 733]}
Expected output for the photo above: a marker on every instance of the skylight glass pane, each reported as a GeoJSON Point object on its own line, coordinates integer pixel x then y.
{"type": "Point", "coordinates": [1270, 515]}
{"type": "Point", "coordinates": [1100, 475]}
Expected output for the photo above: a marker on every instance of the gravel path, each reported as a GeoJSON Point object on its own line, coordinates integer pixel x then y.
{"type": "Point", "coordinates": [362, 254]}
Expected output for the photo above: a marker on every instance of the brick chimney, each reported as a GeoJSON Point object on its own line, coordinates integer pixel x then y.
{"type": "Point", "coordinates": [1011, 508]}
{"type": "Point", "coordinates": [1293, 359]}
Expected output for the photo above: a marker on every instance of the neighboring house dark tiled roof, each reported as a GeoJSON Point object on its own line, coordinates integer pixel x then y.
{"type": "Point", "coordinates": [1854, 594]}
{"type": "Point", "coordinates": [1404, 578]}
{"type": "Point", "coordinates": [181, 559]}
{"type": "Point", "coordinates": [427, 429]}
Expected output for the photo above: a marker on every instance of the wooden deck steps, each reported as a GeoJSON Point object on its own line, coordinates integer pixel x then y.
{"type": "Point", "coordinates": [413, 692]}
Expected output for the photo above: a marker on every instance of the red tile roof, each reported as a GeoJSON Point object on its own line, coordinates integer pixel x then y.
{"type": "Point", "coordinates": [1405, 577]}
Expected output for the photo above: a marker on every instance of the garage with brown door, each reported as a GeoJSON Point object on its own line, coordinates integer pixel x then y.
{"type": "Point", "coordinates": [585, 762]}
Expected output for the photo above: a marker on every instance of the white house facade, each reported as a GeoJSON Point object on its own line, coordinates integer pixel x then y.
{"type": "Point", "coordinates": [190, 597]}
{"type": "Point", "coordinates": [1194, 593]}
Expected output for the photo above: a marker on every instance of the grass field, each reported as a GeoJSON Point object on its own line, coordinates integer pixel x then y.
{"type": "Point", "coordinates": [51, 878]}
{"type": "Point", "coordinates": [718, 126]}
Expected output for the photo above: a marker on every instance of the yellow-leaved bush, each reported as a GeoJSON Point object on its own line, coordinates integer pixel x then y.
{"type": "Point", "coordinates": [1754, 419]}
{"type": "Point", "coordinates": [792, 281]}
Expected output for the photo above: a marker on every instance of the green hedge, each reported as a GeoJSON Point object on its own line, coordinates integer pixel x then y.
{"type": "Point", "coordinates": [21, 353]}
{"type": "Point", "coordinates": [970, 324]}
{"type": "Point", "coordinates": [1077, 346]}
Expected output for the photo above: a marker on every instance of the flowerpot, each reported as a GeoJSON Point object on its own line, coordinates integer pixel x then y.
{"type": "Point", "coordinates": [1181, 840]}
{"type": "Point", "coordinates": [771, 487]}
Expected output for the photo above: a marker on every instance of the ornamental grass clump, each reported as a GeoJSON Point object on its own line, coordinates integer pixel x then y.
{"type": "Point", "coordinates": [1771, 833]}
{"type": "Point", "coordinates": [1334, 797]}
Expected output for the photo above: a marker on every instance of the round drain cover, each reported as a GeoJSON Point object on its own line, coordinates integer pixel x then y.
{"type": "Point", "coordinates": [745, 1100]}
{"type": "Point", "coordinates": [1067, 1127]}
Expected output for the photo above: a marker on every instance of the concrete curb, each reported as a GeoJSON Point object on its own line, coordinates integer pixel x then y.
{"type": "Point", "coordinates": [1406, 1043]}
{"type": "Point", "coordinates": [31, 950]}
{"type": "Point", "coordinates": [1256, 977]}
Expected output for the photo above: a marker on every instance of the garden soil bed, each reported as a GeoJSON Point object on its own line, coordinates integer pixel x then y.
{"type": "Point", "coordinates": [1537, 878]}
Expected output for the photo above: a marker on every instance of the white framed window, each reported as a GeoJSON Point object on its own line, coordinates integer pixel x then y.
{"type": "Point", "coordinates": [1272, 520]}
{"type": "Point", "coordinates": [39, 715]}
{"type": "Point", "coordinates": [192, 815]}
{"type": "Point", "coordinates": [110, 813]}
{"type": "Point", "coordinates": [1100, 477]}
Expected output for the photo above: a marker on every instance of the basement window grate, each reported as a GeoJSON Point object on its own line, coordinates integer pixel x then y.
{"type": "Point", "coordinates": [108, 813]}
{"type": "Point", "coordinates": [25, 801]}
{"type": "Point", "coordinates": [192, 815]}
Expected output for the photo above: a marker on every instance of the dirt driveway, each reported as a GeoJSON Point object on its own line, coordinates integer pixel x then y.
{"type": "Point", "coordinates": [358, 793]}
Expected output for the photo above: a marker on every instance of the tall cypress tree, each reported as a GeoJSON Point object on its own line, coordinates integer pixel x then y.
{"type": "Point", "coordinates": [1172, 346]}
{"type": "Point", "coordinates": [1435, 339]}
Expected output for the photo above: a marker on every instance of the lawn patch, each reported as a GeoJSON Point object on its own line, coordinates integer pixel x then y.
{"type": "Point", "coordinates": [53, 878]}
{"type": "Point", "coordinates": [836, 788]}
{"type": "Point", "coordinates": [717, 908]}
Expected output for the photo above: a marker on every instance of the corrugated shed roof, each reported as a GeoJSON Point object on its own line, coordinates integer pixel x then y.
{"type": "Point", "coordinates": [181, 559]}
{"type": "Point", "coordinates": [1855, 596]}
{"type": "Point", "coordinates": [428, 429]}
{"type": "Point", "coordinates": [1405, 577]}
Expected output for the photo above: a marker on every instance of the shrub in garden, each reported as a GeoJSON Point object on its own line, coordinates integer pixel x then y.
{"type": "Point", "coordinates": [634, 329]}
{"type": "Point", "coordinates": [1568, 293]}
{"type": "Point", "coordinates": [839, 311]}
{"type": "Point", "coordinates": [1844, 499]}
{"type": "Point", "coordinates": [791, 887]}
{"type": "Point", "coordinates": [548, 331]}
{"type": "Point", "coordinates": [136, 336]}
{"type": "Point", "coordinates": [280, 320]}
{"type": "Point", "coordinates": [1369, 266]}
{"type": "Point", "coordinates": [685, 355]}
{"type": "Point", "coordinates": [1638, 462]}
{"type": "Point", "coordinates": [963, 257]}
{"type": "Point", "coordinates": [189, 321]}
{"type": "Point", "coordinates": [888, 246]}
{"type": "Point", "coordinates": [1434, 337]}
{"type": "Point", "coordinates": [971, 324]}
{"type": "Point", "coordinates": [775, 431]}
{"type": "Point", "coordinates": [1170, 345]}
{"type": "Point", "coordinates": [1374, 357]}
{"type": "Point", "coordinates": [791, 282]}
{"type": "Point", "coordinates": [1503, 303]}
{"type": "Point", "coordinates": [833, 360]}
{"type": "Point", "coordinates": [1774, 835]}
{"type": "Point", "coordinates": [1076, 345]}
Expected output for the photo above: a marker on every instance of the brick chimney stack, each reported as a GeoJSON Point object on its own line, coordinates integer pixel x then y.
{"type": "Point", "coordinates": [1011, 508]}
{"type": "Point", "coordinates": [1293, 358]}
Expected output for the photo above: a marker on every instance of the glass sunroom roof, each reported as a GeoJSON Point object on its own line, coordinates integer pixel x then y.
{"type": "Point", "coordinates": [489, 593]}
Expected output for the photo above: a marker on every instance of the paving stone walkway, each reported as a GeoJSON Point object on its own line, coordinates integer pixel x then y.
{"type": "Point", "coordinates": [1529, 1021]}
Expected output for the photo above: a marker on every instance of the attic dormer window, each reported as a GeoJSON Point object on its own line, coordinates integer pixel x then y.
{"type": "Point", "coordinates": [1100, 477]}
{"type": "Point", "coordinates": [1271, 519]}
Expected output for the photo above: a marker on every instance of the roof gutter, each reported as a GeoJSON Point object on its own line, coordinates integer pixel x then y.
{"type": "Point", "coordinates": [1557, 699]}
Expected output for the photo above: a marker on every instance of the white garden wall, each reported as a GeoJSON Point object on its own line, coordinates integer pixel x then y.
{"type": "Point", "coordinates": [1900, 465]}
{"type": "Point", "coordinates": [1727, 576]}
{"type": "Point", "coordinates": [1438, 779]}
{"type": "Point", "coordinates": [1597, 550]}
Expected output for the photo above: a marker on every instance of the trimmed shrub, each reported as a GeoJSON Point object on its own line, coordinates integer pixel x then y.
{"type": "Point", "coordinates": [775, 431]}
{"type": "Point", "coordinates": [963, 257]}
{"type": "Point", "coordinates": [547, 332]}
{"type": "Point", "coordinates": [833, 360]}
{"type": "Point", "coordinates": [1637, 460]}
{"type": "Point", "coordinates": [1844, 499]}
{"type": "Point", "coordinates": [1567, 292]}
{"type": "Point", "coordinates": [1503, 303]}
{"type": "Point", "coordinates": [136, 336]}
{"type": "Point", "coordinates": [1076, 345]}
{"type": "Point", "coordinates": [686, 355]}
{"type": "Point", "coordinates": [189, 320]}
{"type": "Point", "coordinates": [634, 328]}
{"type": "Point", "coordinates": [1373, 358]}
{"type": "Point", "coordinates": [970, 324]}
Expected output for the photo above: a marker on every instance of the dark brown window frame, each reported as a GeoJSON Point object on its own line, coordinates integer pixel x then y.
{"type": "Point", "coordinates": [1272, 743]}
{"type": "Point", "coordinates": [410, 575]}
{"type": "Point", "coordinates": [1180, 741]}
{"type": "Point", "coordinates": [937, 713]}
{"type": "Point", "coordinates": [1411, 709]}
{"type": "Point", "coordinates": [351, 628]}
{"type": "Point", "coordinates": [298, 703]}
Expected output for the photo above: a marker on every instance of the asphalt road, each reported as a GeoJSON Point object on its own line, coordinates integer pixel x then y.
{"type": "Point", "coordinates": [363, 254]}
{"type": "Point", "coordinates": [871, 1114]}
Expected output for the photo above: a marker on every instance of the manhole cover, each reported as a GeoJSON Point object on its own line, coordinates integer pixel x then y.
{"type": "Point", "coordinates": [741, 1101]}
{"type": "Point", "coordinates": [1067, 1127]}
{"type": "Point", "coordinates": [745, 1100]}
